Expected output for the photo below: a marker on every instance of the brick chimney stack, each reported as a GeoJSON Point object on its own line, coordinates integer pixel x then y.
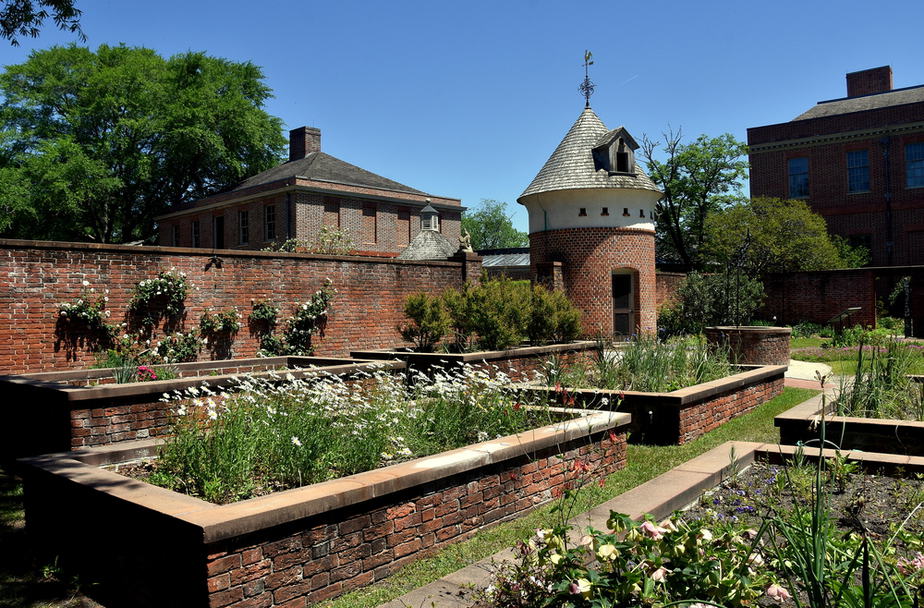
{"type": "Point", "coordinates": [303, 141]}
{"type": "Point", "coordinates": [869, 82]}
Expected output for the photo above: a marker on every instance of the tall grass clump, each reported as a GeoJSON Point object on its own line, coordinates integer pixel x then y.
{"type": "Point", "coordinates": [284, 432]}
{"type": "Point", "coordinates": [881, 386]}
{"type": "Point", "coordinates": [647, 364]}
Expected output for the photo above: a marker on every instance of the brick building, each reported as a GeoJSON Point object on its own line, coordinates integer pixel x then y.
{"type": "Point", "coordinates": [295, 199]}
{"type": "Point", "coordinates": [858, 161]}
{"type": "Point", "coordinates": [591, 227]}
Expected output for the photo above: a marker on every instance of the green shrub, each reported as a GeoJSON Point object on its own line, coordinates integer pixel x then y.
{"type": "Point", "coordinates": [705, 300]}
{"type": "Point", "coordinates": [806, 329]}
{"type": "Point", "coordinates": [500, 313]}
{"type": "Point", "coordinates": [552, 318]}
{"type": "Point", "coordinates": [458, 304]}
{"type": "Point", "coordinates": [429, 321]}
{"type": "Point", "coordinates": [892, 324]}
{"type": "Point", "coordinates": [162, 296]}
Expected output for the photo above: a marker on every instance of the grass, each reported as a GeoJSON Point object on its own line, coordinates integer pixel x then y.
{"type": "Point", "coordinates": [806, 342]}
{"type": "Point", "coordinates": [849, 367]}
{"type": "Point", "coordinates": [645, 463]}
{"type": "Point", "coordinates": [25, 585]}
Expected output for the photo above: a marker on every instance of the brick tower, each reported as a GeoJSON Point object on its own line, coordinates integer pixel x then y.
{"type": "Point", "coordinates": [591, 227]}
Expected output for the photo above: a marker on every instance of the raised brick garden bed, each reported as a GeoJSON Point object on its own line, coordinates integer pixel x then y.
{"type": "Point", "coordinates": [519, 363]}
{"type": "Point", "coordinates": [753, 345]}
{"type": "Point", "coordinates": [148, 546]}
{"type": "Point", "coordinates": [60, 411]}
{"type": "Point", "coordinates": [682, 415]}
{"type": "Point", "coordinates": [800, 424]}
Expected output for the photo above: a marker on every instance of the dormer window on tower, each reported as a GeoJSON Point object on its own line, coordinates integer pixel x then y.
{"type": "Point", "coordinates": [614, 153]}
{"type": "Point", "coordinates": [429, 219]}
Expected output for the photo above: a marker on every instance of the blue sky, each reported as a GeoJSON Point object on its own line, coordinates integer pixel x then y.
{"type": "Point", "coordinates": [468, 99]}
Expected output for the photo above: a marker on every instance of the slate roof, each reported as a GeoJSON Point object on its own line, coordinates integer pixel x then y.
{"type": "Point", "coordinates": [429, 245]}
{"type": "Point", "coordinates": [324, 167]}
{"type": "Point", "coordinates": [866, 102]}
{"type": "Point", "coordinates": [502, 257]}
{"type": "Point", "coordinates": [571, 166]}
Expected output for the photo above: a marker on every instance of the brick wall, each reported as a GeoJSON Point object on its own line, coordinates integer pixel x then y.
{"type": "Point", "coordinates": [667, 284]}
{"type": "Point", "coordinates": [753, 345]}
{"type": "Point", "coordinates": [345, 550]}
{"type": "Point", "coordinates": [36, 276]}
{"type": "Point", "coordinates": [589, 257]}
{"type": "Point", "coordinates": [697, 420]}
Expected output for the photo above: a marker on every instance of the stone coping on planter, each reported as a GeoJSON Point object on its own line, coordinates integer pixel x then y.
{"type": "Point", "coordinates": [59, 384]}
{"type": "Point", "coordinates": [220, 522]}
{"type": "Point", "coordinates": [473, 357]}
{"type": "Point", "coordinates": [671, 491]}
{"type": "Point", "coordinates": [679, 397]}
{"type": "Point", "coordinates": [884, 435]}
{"type": "Point", "coordinates": [753, 329]}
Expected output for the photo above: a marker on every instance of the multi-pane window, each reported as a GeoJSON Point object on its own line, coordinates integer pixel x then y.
{"type": "Point", "coordinates": [914, 165]}
{"type": "Point", "coordinates": [243, 227]}
{"type": "Point", "coordinates": [196, 235]}
{"type": "Point", "coordinates": [798, 177]}
{"type": "Point", "coordinates": [269, 222]}
{"type": "Point", "coordinates": [176, 235]}
{"type": "Point", "coordinates": [858, 171]}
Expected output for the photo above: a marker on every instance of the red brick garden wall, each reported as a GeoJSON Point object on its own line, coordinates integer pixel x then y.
{"type": "Point", "coordinates": [819, 296]}
{"type": "Point", "coordinates": [346, 550]}
{"type": "Point", "coordinates": [698, 419]}
{"type": "Point", "coordinates": [667, 285]}
{"type": "Point", "coordinates": [36, 276]}
{"type": "Point", "coordinates": [589, 257]}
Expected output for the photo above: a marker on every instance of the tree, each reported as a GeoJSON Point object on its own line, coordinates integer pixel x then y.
{"type": "Point", "coordinates": [696, 179]}
{"type": "Point", "coordinates": [785, 236]}
{"type": "Point", "coordinates": [104, 141]}
{"type": "Point", "coordinates": [24, 17]}
{"type": "Point", "coordinates": [491, 228]}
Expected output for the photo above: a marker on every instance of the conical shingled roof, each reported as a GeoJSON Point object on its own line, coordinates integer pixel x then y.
{"type": "Point", "coordinates": [571, 166]}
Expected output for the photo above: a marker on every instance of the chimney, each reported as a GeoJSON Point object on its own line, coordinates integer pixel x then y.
{"type": "Point", "coordinates": [303, 141]}
{"type": "Point", "coordinates": [869, 82]}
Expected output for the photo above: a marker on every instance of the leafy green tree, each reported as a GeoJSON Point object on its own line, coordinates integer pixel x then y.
{"type": "Point", "coordinates": [491, 228]}
{"type": "Point", "coordinates": [24, 17]}
{"type": "Point", "coordinates": [105, 141]}
{"type": "Point", "coordinates": [705, 300]}
{"type": "Point", "coordinates": [697, 179]}
{"type": "Point", "coordinates": [852, 256]}
{"type": "Point", "coordinates": [785, 236]}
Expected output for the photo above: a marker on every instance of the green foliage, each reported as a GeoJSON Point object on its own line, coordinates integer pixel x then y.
{"type": "Point", "coordinates": [429, 321]}
{"type": "Point", "coordinates": [881, 386]}
{"type": "Point", "coordinates": [490, 227]}
{"type": "Point", "coordinates": [264, 313]}
{"type": "Point", "coordinates": [87, 313]}
{"type": "Point", "coordinates": [105, 141]}
{"type": "Point", "coordinates": [458, 303]}
{"type": "Point", "coordinates": [852, 256]}
{"type": "Point", "coordinates": [786, 236]}
{"type": "Point", "coordinates": [697, 179]}
{"type": "Point", "coordinates": [307, 319]}
{"type": "Point", "coordinates": [178, 347]}
{"type": "Point", "coordinates": [275, 434]}
{"type": "Point", "coordinates": [162, 296]}
{"type": "Point", "coordinates": [553, 318]}
{"type": "Point", "coordinates": [25, 17]}
{"type": "Point", "coordinates": [500, 313]}
{"type": "Point", "coordinates": [330, 241]}
{"type": "Point", "coordinates": [220, 322]}
{"type": "Point", "coordinates": [633, 564]}
{"type": "Point", "coordinates": [705, 300]}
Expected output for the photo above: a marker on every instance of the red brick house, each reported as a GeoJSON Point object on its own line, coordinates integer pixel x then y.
{"type": "Point", "coordinates": [858, 161]}
{"type": "Point", "coordinates": [295, 199]}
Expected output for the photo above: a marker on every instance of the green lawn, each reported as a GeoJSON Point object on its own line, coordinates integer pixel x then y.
{"type": "Point", "coordinates": [805, 342]}
{"type": "Point", "coordinates": [27, 585]}
{"type": "Point", "coordinates": [645, 462]}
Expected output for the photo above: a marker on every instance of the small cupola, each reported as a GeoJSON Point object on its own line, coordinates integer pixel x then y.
{"type": "Point", "coordinates": [614, 152]}
{"type": "Point", "coordinates": [429, 219]}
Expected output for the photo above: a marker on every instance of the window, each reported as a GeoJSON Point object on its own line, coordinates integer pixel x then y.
{"type": "Point", "coordinates": [858, 171]}
{"type": "Point", "coordinates": [582, 212]}
{"type": "Point", "coordinates": [269, 222]}
{"type": "Point", "coordinates": [196, 235]}
{"type": "Point", "coordinates": [403, 227]}
{"type": "Point", "coordinates": [369, 221]}
{"type": "Point", "coordinates": [218, 225]}
{"type": "Point", "coordinates": [331, 213]}
{"type": "Point", "coordinates": [606, 211]}
{"type": "Point", "coordinates": [798, 177]}
{"type": "Point", "coordinates": [914, 165]}
{"type": "Point", "coordinates": [243, 227]}
{"type": "Point", "coordinates": [176, 235]}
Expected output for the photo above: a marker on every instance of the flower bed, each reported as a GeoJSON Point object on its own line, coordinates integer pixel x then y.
{"type": "Point", "coordinates": [149, 546]}
{"type": "Point", "coordinates": [519, 364]}
{"type": "Point", "coordinates": [60, 411]}
{"type": "Point", "coordinates": [682, 415]}
{"type": "Point", "coordinates": [800, 424]}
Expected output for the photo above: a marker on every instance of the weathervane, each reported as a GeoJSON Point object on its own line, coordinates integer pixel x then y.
{"type": "Point", "coordinates": [587, 87]}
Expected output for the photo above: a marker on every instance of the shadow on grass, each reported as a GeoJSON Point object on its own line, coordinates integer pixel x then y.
{"type": "Point", "coordinates": [23, 582]}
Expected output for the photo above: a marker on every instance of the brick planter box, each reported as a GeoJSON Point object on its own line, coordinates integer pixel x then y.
{"type": "Point", "coordinates": [61, 411]}
{"type": "Point", "coordinates": [518, 363]}
{"type": "Point", "coordinates": [684, 414]}
{"type": "Point", "coordinates": [148, 546]}
{"type": "Point", "coordinates": [800, 424]}
{"type": "Point", "coordinates": [753, 345]}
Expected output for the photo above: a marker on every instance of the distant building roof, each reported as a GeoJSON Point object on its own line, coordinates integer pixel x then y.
{"type": "Point", "coordinates": [846, 105]}
{"type": "Point", "coordinates": [429, 245]}
{"type": "Point", "coordinates": [571, 166]}
{"type": "Point", "coordinates": [321, 166]}
{"type": "Point", "coordinates": [512, 256]}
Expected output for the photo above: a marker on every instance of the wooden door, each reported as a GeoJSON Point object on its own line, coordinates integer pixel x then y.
{"type": "Point", "coordinates": [623, 298]}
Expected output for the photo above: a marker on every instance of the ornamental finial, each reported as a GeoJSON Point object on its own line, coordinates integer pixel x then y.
{"type": "Point", "coordinates": [587, 87]}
